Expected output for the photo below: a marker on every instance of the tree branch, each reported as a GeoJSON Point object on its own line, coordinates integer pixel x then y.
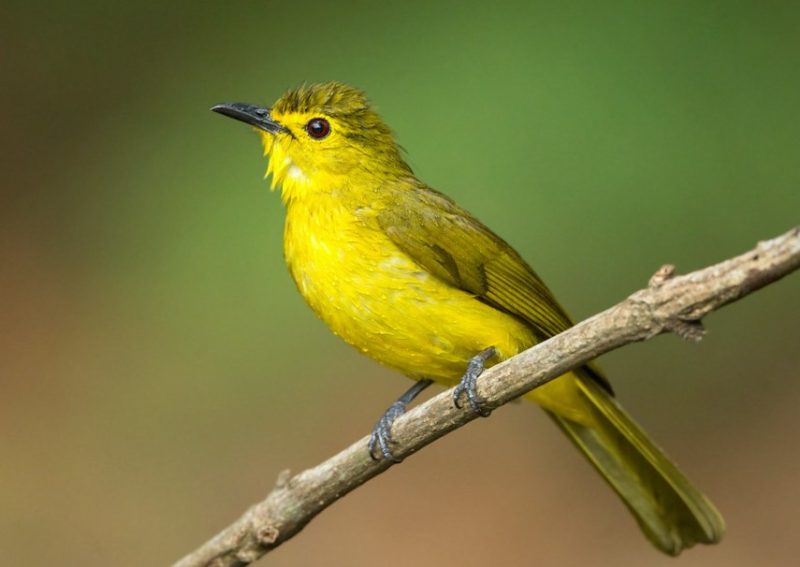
{"type": "Point", "coordinates": [670, 304]}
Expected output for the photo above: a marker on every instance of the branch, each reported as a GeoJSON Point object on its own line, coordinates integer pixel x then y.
{"type": "Point", "coordinates": [669, 304]}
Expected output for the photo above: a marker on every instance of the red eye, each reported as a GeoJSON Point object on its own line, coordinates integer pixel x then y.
{"type": "Point", "coordinates": [318, 128]}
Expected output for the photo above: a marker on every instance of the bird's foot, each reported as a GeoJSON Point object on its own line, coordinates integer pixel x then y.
{"type": "Point", "coordinates": [467, 386]}
{"type": "Point", "coordinates": [381, 437]}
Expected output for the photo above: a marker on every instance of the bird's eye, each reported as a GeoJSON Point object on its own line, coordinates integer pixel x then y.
{"type": "Point", "coordinates": [318, 128]}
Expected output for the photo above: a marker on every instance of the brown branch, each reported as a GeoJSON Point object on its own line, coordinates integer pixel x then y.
{"type": "Point", "coordinates": [670, 303]}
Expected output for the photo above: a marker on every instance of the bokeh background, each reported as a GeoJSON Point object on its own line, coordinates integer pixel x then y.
{"type": "Point", "coordinates": [158, 369]}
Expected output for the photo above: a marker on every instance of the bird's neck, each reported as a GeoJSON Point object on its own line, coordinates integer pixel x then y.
{"type": "Point", "coordinates": [297, 186]}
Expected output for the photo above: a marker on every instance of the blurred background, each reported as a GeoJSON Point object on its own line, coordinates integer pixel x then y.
{"type": "Point", "coordinates": [158, 369]}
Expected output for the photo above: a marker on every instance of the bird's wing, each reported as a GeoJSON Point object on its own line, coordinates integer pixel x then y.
{"type": "Point", "coordinates": [448, 242]}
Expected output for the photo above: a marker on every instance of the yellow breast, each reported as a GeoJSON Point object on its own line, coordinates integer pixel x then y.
{"type": "Point", "coordinates": [379, 300]}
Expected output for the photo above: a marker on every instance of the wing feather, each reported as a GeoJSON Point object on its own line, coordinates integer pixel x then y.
{"type": "Point", "coordinates": [451, 244]}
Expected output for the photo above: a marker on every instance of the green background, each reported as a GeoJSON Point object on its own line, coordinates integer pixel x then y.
{"type": "Point", "coordinates": [158, 369]}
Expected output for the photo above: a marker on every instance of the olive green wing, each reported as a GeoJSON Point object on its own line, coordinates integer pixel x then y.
{"type": "Point", "coordinates": [450, 243]}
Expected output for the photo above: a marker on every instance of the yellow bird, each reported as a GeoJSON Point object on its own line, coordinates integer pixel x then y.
{"type": "Point", "coordinates": [411, 279]}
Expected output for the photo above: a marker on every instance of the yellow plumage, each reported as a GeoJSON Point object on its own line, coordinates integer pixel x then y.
{"type": "Point", "coordinates": [412, 280]}
{"type": "Point", "coordinates": [384, 303]}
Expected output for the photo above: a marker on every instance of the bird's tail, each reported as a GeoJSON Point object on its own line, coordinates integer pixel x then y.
{"type": "Point", "coordinates": [672, 513]}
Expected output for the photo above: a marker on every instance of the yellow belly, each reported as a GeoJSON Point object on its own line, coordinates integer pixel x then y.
{"type": "Point", "coordinates": [380, 301]}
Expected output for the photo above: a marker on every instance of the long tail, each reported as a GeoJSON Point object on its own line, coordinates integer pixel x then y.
{"type": "Point", "coordinates": [672, 513]}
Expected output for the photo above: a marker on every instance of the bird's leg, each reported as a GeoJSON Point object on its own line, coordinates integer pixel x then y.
{"type": "Point", "coordinates": [381, 436]}
{"type": "Point", "coordinates": [468, 382]}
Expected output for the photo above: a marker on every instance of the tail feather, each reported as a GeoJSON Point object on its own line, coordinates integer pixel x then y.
{"type": "Point", "coordinates": [673, 514]}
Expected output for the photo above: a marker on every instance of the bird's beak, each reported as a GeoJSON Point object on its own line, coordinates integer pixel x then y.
{"type": "Point", "coordinates": [253, 115]}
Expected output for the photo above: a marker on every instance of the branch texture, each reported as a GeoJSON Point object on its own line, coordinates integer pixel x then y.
{"type": "Point", "coordinates": [669, 304]}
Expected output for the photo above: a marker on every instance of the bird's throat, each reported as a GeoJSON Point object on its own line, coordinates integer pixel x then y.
{"type": "Point", "coordinates": [293, 181]}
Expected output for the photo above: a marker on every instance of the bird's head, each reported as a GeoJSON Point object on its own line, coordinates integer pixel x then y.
{"type": "Point", "coordinates": [318, 136]}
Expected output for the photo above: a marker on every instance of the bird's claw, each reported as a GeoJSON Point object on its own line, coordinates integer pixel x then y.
{"type": "Point", "coordinates": [468, 385]}
{"type": "Point", "coordinates": [381, 437]}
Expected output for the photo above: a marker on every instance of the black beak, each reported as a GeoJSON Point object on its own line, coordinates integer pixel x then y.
{"type": "Point", "coordinates": [253, 115]}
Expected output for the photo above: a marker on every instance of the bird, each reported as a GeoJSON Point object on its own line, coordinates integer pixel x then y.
{"type": "Point", "coordinates": [411, 279]}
